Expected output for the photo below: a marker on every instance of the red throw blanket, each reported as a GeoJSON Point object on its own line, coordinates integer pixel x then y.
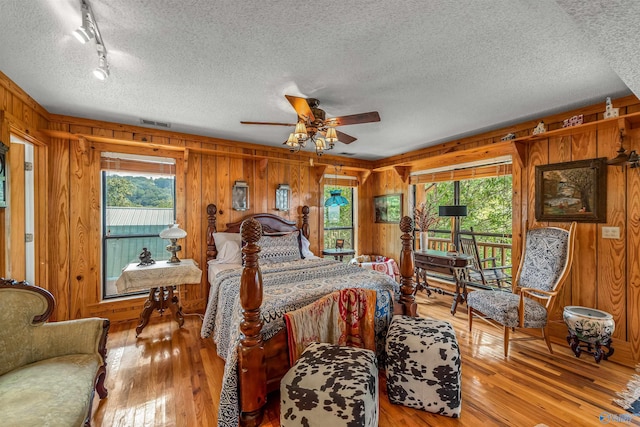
{"type": "Point", "coordinates": [344, 317]}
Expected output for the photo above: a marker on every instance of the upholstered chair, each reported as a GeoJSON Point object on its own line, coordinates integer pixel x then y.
{"type": "Point", "coordinates": [544, 267]}
{"type": "Point", "coordinates": [48, 370]}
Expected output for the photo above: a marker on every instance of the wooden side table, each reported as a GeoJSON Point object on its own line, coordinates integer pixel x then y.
{"type": "Point", "coordinates": [338, 253]}
{"type": "Point", "coordinates": [161, 279]}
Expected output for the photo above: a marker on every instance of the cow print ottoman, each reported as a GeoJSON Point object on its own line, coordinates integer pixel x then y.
{"type": "Point", "coordinates": [330, 385]}
{"type": "Point", "coordinates": [423, 365]}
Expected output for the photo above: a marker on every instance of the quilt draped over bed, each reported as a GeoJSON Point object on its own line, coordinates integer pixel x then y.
{"type": "Point", "coordinates": [286, 287]}
{"type": "Point", "coordinates": [344, 317]}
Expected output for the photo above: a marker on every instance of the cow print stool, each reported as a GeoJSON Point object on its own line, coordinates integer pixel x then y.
{"type": "Point", "coordinates": [330, 385]}
{"type": "Point", "coordinates": [423, 365]}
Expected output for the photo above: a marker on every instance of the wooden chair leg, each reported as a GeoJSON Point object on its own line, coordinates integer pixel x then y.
{"type": "Point", "coordinates": [470, 310]}
{"type": "Point", "coordinates": [506, 341]}
{"type": "Point", "coordinates": [547, 338]}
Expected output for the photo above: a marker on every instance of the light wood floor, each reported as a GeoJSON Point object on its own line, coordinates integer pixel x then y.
{"type": "Point", "coordinates": [171, 377]}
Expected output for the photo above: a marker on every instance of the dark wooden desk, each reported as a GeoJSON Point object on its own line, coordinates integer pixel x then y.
{"type": "Point", "coordinates": [442, 262]}
{"type": "Point", "coordinates": [338, 253]}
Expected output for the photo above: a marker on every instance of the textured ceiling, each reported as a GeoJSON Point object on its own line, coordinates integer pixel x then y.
{"type": "Point", "coordinates": [434, 70]}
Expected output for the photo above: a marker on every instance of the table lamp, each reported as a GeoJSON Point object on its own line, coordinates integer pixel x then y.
{"type": "Point", "coordinates": [455, 211]}
{"type": "Point", "coordinates": [173, 233]}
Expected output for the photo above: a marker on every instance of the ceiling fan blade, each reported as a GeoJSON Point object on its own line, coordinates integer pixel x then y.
{"type": "Point", "coordinates": [268, 123]}
{"type": "Point", "coordinates": [302, 107]}
{"type": "Point", "coordinates": [344, 138]}
{"type": "Point", "coordinates": [353, 119]}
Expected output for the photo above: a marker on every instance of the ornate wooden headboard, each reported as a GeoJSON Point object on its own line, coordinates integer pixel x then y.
{"type": "Point", "coordinates": [271, 224]}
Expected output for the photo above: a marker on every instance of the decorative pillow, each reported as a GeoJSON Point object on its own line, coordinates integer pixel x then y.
{"type": "Point", "coordinates": [279, 248]}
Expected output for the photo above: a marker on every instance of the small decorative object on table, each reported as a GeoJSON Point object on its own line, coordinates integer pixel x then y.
{"type": "Point", "coordinates": [145, 258]}
{"type": "Point", "coordinates": [591, 329]}
{"type": "Point", "coordinates": [539, 129]}
{"type": "Point", "coordinates": [425, 216]}
{"type": "Point", "coordinates": [610, 112]}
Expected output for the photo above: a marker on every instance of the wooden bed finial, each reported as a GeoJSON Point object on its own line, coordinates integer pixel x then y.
{"type": "Point", "coordinates": [305, 221]}
{"type": "Point", "coordinates": [407, 285]}
{"type": "Point", "coordinates": [212, 251]}
{"type": "Point", "coordinates": [251, 363]}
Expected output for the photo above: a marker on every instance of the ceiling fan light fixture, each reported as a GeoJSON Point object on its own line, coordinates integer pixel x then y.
{"type": "Point", "coordinates": [292, 143]}
{"type": "Point", "coordinates": [301, 131]}
{"type": "Point", "coordinates": [320, 146]}
{"type": "Point", "coordinates": [331, 136]}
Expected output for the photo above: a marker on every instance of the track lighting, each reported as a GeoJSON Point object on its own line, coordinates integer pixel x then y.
{"type": "Point", "coordinates": [89, 30]}
{"type": "Point", "coordinates": [84, 33]}
{"type": "Point", "coordinates": [102, 71]}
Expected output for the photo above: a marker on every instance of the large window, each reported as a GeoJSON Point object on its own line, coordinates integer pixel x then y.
{"type": "Point", "coordinates": [338, 220]}
{"type": "Point", "coordinates": [138, 202]}
{"type": "Point", "coordinates": [489, 212]}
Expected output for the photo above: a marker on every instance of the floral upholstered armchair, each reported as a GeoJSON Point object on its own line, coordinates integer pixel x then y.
{"type": "Point", "coordinates": [379, 263]}
{"type": "Point", "coordinates": [544, 268]}
{"type": "Point", "coordinates": [48, 371]}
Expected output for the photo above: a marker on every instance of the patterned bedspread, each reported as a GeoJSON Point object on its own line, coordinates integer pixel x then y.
{"type": "Point", "coordinates": [286, 287]}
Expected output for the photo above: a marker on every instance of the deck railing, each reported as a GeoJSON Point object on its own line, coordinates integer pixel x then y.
{"type": "Point", "coordinates": [489, 244]}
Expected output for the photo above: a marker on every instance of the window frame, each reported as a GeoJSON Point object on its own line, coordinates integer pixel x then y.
{"type": "Point", "coordinates": [107, 236]}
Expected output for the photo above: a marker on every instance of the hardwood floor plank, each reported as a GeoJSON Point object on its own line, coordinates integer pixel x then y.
{"type": "Point", "coordinates": [169, 376]}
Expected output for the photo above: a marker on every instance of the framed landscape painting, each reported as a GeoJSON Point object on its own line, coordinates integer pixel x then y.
{"type": "Point", "coordinates": [388, 208]}
{"type": "Point", "coordinates": [572, 191]}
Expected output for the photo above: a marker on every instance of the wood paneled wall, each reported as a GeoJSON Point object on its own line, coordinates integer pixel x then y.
{"type": "Point", "coordinates": [200, 179]}
{"type": "Point", "coordinates": [606, 272]}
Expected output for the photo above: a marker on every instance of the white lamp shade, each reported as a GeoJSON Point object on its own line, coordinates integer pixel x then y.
{"type": "Point", "coordinates": [300, 131]}
{"type": "Point", "coordinates": [332, 136]}
{"type": "Point", "coordinates": [173, 232]}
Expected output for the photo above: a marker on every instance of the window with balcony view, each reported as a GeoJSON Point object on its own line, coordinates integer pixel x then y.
{"type": "Point", "coordinates": [138, 202]}
{"type": "Point", "coordinates": [489, 213]}
{"type": "Point", "coordinates": [338, 219]}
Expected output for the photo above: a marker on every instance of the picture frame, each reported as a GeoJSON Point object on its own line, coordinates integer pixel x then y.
{"type": "Point", "coordinates": [572, 191]}
{"type": "Point", "coordinates": [240, 196]}
{"type": "Point", "coordinates": [388, 208]}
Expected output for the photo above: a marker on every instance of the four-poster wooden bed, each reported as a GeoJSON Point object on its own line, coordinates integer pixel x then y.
{"type": "Point", "coordinates": [263, 362]}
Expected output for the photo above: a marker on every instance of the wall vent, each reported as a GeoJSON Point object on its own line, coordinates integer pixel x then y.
{"type": "Point", "coordinates": [148, 122]}
{"type": "Point", "coordinates": [347, 154]}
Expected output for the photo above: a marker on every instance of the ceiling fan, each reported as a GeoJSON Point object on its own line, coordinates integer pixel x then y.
{"type": "Point", "coordinates": [312, 121]}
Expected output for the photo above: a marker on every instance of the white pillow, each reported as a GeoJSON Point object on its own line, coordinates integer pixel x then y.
{"type": "Point", "coordinates": [306, 252]}
{"type": "Point", "coordinates": [222, 238]}
{"type": "Point", "coordinates": [230, 253]}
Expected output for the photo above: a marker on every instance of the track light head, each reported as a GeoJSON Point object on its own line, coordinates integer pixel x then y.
{"type": "Point", "coordinates": [102, 71]}
{"type": "Point", "coordinates": [82, 34]}
{"type": "Point", "coordinates": [85, 32]}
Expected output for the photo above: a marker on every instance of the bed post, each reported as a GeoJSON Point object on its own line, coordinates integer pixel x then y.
{"type": "Point", "coordinates": [212, 227]}
{"type": "Point", "coordinates": [305, 221]}
{"type": "Point", "coordinates": [251, 362]}
{"type": "Point", "coordinates": [407, 285]}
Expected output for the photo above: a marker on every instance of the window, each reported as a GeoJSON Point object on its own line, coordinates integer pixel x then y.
{"type": "Point", "coordinates": [338, 220]}
{"type": "Point", "coordinates": [138, 202]}
{"type": "Point", "coordinates": [489, 207]}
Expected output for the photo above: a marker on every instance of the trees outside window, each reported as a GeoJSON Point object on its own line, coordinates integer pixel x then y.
{"type": "Point", "coordinates": [338, 220]}
{"type": "Point", "coordinates": [137, 206]}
